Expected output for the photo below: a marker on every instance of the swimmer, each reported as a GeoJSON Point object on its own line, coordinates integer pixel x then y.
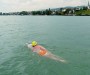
{"type": "Point", "coordinates": [35, 47]}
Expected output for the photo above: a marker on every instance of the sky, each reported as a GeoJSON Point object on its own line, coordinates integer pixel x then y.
{"type": "Point", "coordinates": [30, 5]}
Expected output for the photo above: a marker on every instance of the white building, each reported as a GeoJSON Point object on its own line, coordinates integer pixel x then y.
{"type": "Point", "coordinates": [88, 5]}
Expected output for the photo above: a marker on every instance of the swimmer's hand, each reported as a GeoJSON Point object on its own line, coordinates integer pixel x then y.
{"type": "Point", "coordinates": [27, 44]}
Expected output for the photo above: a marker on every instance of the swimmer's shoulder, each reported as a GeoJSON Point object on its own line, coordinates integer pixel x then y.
{"type": "Point", "coordinates": [42, 47]}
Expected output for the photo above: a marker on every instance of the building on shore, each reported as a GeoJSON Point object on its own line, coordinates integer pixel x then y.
{"type": "Point", "coordinates": [88, 5]}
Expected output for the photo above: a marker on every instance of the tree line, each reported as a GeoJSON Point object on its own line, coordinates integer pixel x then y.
{"type": "Point", "coordinates": [61, 11]}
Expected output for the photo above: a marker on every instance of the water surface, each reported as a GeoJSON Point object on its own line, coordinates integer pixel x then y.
{"type": "Point", "coordinates": [67, 37]}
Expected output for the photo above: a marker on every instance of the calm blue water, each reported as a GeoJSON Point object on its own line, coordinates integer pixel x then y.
{"type": "Point", "coordinates": [67, 37]}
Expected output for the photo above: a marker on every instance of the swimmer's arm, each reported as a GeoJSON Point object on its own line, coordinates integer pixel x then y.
{"type": "Point", "coordinates": [34, 50]}
{"type": "Point", "coordinates": [30, 46]}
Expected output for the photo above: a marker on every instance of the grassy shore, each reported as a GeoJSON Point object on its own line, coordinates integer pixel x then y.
{"type": "Point", "coordinates": [83, 12]}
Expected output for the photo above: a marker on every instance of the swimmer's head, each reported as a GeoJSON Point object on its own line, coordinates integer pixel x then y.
{"type": "Point", "coordinates": [34, 43]}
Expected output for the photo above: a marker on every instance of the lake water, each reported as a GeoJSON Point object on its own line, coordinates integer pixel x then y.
{"type": "Point", "coordinates": [65, 36]}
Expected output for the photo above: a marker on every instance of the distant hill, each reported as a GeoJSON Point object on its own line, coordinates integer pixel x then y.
{"type": "Point", "coordinates": [61, 7]}
{"type": "Point", "coordinates": [57, 9]}
{"type": "Point", "coordinates": [53, 9]}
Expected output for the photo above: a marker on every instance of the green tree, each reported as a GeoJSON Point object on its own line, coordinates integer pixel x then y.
{"type": "Point", "coordinates": [23, 13]}
{"type": "Point", "coordinates": [0, 13]}
{"type": "Point", "coordinates": [85, 8]}
{"type": "Point", "coordinates": [48, 11]}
